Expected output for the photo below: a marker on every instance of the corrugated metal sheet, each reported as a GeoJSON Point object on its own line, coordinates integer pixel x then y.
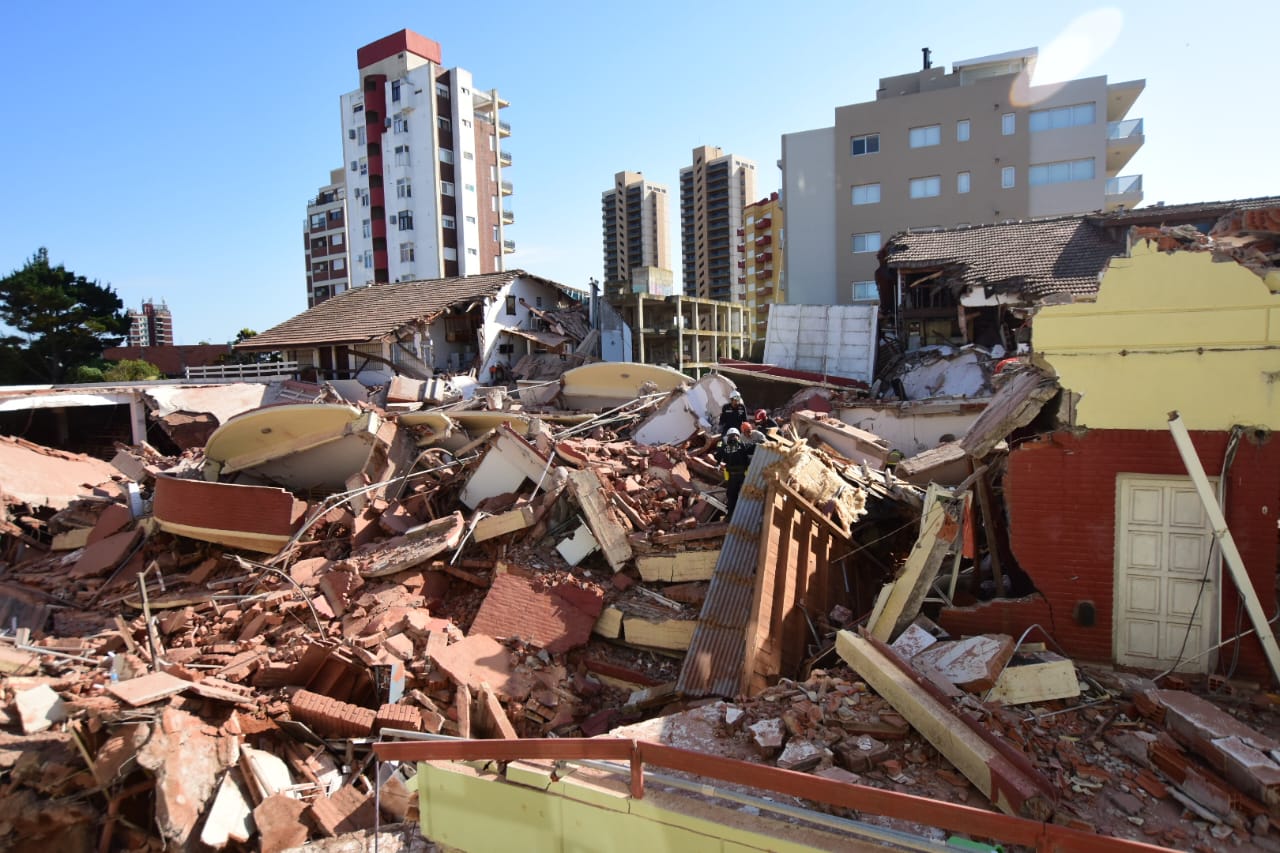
{"type": "Point", "coordinates": [714, 663]}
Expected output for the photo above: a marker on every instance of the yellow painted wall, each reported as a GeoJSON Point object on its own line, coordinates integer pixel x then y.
{"type": "Point", "coordinates": [1168, 331]}
{"type": "Point", "coordinates": [589, 812]}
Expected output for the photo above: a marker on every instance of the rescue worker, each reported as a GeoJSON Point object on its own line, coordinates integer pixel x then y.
{"type": "Point", "coordinates": [732, 413]}
{"type": "Point", "coordinates": [734, 457]}
{"type": "Point", "coordinates": [764, 423]}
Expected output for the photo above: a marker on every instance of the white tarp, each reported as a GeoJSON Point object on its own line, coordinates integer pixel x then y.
{"type": "Point", "coordinates": [832, 340]}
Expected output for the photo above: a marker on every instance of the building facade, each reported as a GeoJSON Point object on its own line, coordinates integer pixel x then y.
{"type": "Point", "coordinates": [425, 182]}
{"type": "Point", "coordinates": [714, 190]}
{"type": "Point", "coordinates": [978, 145]}
{"type": "Point", "coordinates": [152, 326]}
{"type": "Point", "coordinates": [634, 218]}
{"type": "Point", "coordinates": [761, 269]}
{"type": "Point", "coordinates": [325, 238]}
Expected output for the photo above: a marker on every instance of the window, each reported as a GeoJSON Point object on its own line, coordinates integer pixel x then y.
{"type": "Point", "coordinates": [444, 123]}
{"type": "Point", "coordinates": [336, 240]}
{"type": "Point", "coordinates": [865, 291]}
{"type": "Point", "coordinates": [469, 187]}
{"type": "Point", "coordinates": [467, 155]}
{"type": "Point", "coordinates": [317, 220]}
{"type": "Point", "coordinates": [866, 144]}
{"type": "Point", "coordinates": [511, 304]}
{"type": "Point", "coordinates": [866, 194]}
{"type": "Point", "coordinates": [406, 253]}
{"type": "Point", "coordinates": [355, 165]}
{"type": "Point", "coordinates": [472, 252]}
{"type": "Point", "coordinates": [365, 229]}
{"type": "Point", "coordinates": [364, 165]}
{"type": "Point", "coordinates": [357, 108]}
{"type": "Point", "coordinates": [869, 242]}
{"type": "Point", "coordinates": [495, 233]}
{"type": "Point", "coordinates": [492, 141]}
{"type": "Point", "coordinates": [466, 122]}
{"type": "Point", "coordinates": [404, 189]}
{"type": "Point", "coordinates": [446, 188]}
{"type": "Point", "coordinates": [402, 155]}
{"type": "Point", "coordinates": [962, 130]}
{"type": "Point", "coordinates": [471, 220]}
{"type": "Point", "coordinates": [923, 137]}
{"type": "Point", "coordinates": [1077, 115]}
{"type": "Point", "coordinates": [450, 253]}
{"type": "Point", "coordinates": [368, 259]}
{"type": "Point", "coordinates": [962, 182]}
{"type": "Point", "coordinates": [926, 187]}
{"type": "Point", "coordinates": [493, 173]}
{"type": "Point", "coordinates": [442, 89]}
{"type": "Point", "coordinates": [1007, 177]}
{"type": "Point", "coordinates": [404, 220]}
{"type": "Point", "coordinates": [446, 155]}
{"type": "Point", "coordinates": [364, 199]}
{"type": "Point", "coordinates": [1061, 173]}
{"type": "Point", "coordinates": [339, 264]}
{"type": "Point", "coordinates": [1008, 124]}
{"type": "Point", "coordinates": [360, 135]}
{"type": "Point", "coordinates": [400, 125]}
{"type": "Point", "coordinates": [395, 90]}
{"type": "Point", "coordinates": [447, 221]}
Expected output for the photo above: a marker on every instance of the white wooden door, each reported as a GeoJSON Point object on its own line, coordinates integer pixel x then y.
{"type": "Point", "coordinates": [1163, 546]}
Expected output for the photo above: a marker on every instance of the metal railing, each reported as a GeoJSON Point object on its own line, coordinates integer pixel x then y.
{"type": "Point", "coordinates": [243, 371]}
{"type": "Point", "coordinates": [1124, 129]}
{"type": "Point", "coordinates": [1124, 185]}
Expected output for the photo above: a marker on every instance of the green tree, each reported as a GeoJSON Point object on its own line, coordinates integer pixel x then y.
{"type": "Point", "coordinates": [241, 357]}
{"type": "Point", "coordinates": [63, 321]}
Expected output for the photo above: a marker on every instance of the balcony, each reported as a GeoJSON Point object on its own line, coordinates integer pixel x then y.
{"type": "Point", "coordinates": [504, 128]}
{"type": "Point", "coordinates": [506, 188]}
{"type": "Point", "coordinates": [1120, 98]}
{"type": "Point", "coordinates": [1124, 192]}
{"type": "Point", "coordinates": [504, 157]}
{"type": "Point", "coordinates": [1124, 138]}
{"type": "Point", "coordinates": [508, 216]}
{"type": "Point", "coordinates": [508, 246]}
{"type": "Point", "coordinates": [764, 240]}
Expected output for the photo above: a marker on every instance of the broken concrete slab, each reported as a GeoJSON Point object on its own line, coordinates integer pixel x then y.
{"type": "Point", "coordinates": [578, 546]}
{"type": "Point", "coordinates": [972, 664]}
{"type": "Point", "coordinates": [686, 410]}
{"type": "Point", "coordinates": [346, 810]}
{"type": "Point", "coordinates": [610, 384]}
{"type": "Point", "coordinates": [678, 568]}
{"type": "Point", "coordinates": [477, 659]}
{"type": "Point", "coordinates": [39, 708]}
{"type": "Point", "coordinates": [508, 462]}
{"type": "Point", "coordinates": [590, 493]}
{"type": "Point", "coordinates": [230, 817]}
{"type": "Point", "coordinates": [1038, 677]}
{"type": "Point", "coordinates": [418, 545]}
{"type": "Point", "coordinates": [148, 688]}
{"type": "Point", "coordinates": [255, 518]}
{"type": "Point", "coordinates": [41, 476]}
{"type": "Point", "coordinates": [186, 764]}
{"type": "Point", "coordinates": [279, 822]}
{"type": "Point", "coordinates": [856, 445]}
{"type": "Point", "coordinates": [106, 554]}
{"type": "Point", "coordinates": [511, 521]}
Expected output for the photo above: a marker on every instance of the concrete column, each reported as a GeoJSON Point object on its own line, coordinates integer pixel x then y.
{"type": "Point", "coordinates": [138, 418]}
{"type": "Point", "coordinates": [640, 326]}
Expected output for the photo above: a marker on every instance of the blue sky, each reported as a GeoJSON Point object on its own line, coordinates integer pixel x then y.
{"type": "Point", "coordinates": [169, 149]}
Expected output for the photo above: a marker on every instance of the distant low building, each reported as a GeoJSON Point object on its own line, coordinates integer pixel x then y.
{"type": "Point", "coordinates": [173, 361]}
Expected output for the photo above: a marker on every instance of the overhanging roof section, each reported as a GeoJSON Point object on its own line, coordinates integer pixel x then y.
{"type": "Point", "coordinates": [1038, 259]}
{"type": "Point", "coordinates": [370, 313]}
{"type": "Point", "coordinates": [546, 339]}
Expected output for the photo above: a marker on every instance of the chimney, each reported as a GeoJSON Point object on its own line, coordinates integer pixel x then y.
{"type": "Point", "coordinates": [928, 63]}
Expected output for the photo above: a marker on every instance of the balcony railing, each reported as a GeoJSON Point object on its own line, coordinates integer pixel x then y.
{"type": "Point", "coordinates": [505, 158]}
{"type": "Point", "coordinates": [1124, 129]}
{"type": "Point", "coordinates": [508, 216]}
{"type": "Point", "coordinates": [504, 128]}
{"type": "Point", "coordinates": [1124, 185]}
{"type": "Point", "coordinates": [508, 245]}
{"type": "Point", "coordinates": [507, 189]}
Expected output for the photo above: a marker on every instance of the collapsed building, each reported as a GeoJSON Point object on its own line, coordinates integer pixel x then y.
{"type": "Point", "coordinates": [496, 605]}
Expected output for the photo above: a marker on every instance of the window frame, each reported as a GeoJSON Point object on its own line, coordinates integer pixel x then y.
{"type": "Point", "coordinates": [964, 182]}
{"type": "Point", "coordinates": [925, 182]}
{"type": "Point", "coordinates": [867, 140]}
{"type": "Point", "coordinates": [1008, 124]}
{"type": "Point", "coordinates": [870, 189]}
{"type": "Point", "coordinates": [924, 136]}
{"type": "Point", "coordinates": [863, 238]}
{"type": "Point", "coordinates": [1008, 177]}
{"type": "Point", "coordinates": [963, 130]}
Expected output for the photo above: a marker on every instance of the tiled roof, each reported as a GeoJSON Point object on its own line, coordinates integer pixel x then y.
{"type": "Point", "coordinates": [1184, 212]}
{"type": "Point", "coordinates": [1038, 258]}
{"type": "Point", "coordinates": [369, 313]}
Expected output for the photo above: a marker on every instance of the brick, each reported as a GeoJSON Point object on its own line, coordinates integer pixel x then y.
{"type": "Point", "coordinates": [347, 810]}
{"type": "Point", "coordinates": [398, 717]}
{"type": "Point", "coordinates": [329, 717]}
{"type": "Point", "coordinates": [556, 619]}
{"type": "Point", "coordinates": [279, 822]}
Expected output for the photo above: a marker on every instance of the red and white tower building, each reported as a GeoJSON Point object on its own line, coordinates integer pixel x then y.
{"type": "Point", "coordinates": [425, 167]}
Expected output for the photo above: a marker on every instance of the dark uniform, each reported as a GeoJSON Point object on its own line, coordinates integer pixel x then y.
{"type": "Point", "coordinates": [733, 414]}
{"type": "Point", "coordinates": [735, 456]}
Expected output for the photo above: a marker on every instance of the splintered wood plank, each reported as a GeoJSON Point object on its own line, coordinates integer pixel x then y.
{"type": "Point", "coordinates": [939, 527]}
{"type": "Point", "coordinates": [674, 634]}
{"type": "Point", "coordinates": [493, 526]}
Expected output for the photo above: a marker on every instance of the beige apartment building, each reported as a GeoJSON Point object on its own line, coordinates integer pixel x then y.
{"type": "Point", "coordinates": [761, 269]}
{"type": "Point", "coordinates": [713, 192]}
{"type": "Point", "coordinates": [977, 145]}
{"type": "Point", "coordinates": [636, 250]}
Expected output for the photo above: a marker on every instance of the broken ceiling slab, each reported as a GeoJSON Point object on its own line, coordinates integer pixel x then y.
{"type": "Point", "coordinates": [678, 567]}
{"type": "Point", "coordinates": [592, 496]}
{"type": "Point", "coordinates": [1016, 403]}
{"type": "Point", "coordinates": [945, 464]}
{"type": "Point", "coordinates": [39, 708]}
{"type": "Point", "coordinates": [105, 555]}
{"type": "Point", "coordinates": [1035, 677]}
{"type": "Point", "coordinates": [148, 688]}
{"type": "Point", "coordinates": [475, 660]}
{"type": "Point", "coordinates": [972, 664]}
{"type": "Point", "coordinates": [686, 410]}
{"type": "Point", "coordinates": [856, 445]}
{"type": "Point", "coordinates": [417, 546]}
{"type": "Point", "coordinates": [557, 618]}
{"type": "Point", "coordinates": [577, 546]}
{"type": "Point", "coordinates": [508, 462]}
{"type": "Point", "coordinates": [255, 518]}
{"type": "Point", "coordinates": [43, 477]}
{"type": "Point", "coordinates": [261, 435]}
{"type": "Point", "coordinates": [610, 384]}
{"type": "Point", "coordinates": [224, 402]}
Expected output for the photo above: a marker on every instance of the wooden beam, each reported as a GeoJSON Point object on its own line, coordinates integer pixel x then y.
{"type": "Point", "coordinates": [896, 608]}
{"type": "Point", "coordinates": [985, 499]}
{"type": "Point", "coordinates": [1008, 787]}
{"type": "Point", "coordinates": [589, 491]}
{"type": "Point", "coordinates": [501, 524]}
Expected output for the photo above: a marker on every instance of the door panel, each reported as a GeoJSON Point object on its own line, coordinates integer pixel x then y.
{"type": "Point", "coordinates": [1163, 544]}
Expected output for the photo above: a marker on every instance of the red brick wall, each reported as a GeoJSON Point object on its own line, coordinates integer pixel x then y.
{"type": "Point", "coordinates": [1060, 494]}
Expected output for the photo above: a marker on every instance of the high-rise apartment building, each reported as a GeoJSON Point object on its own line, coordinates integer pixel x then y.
{"type": "Point", "coordinates": [761, 270]}
{"type": "Point", "coordinates": [713, 192]}
{"type": "Point", "coordinates": [425, 159]}
{"type": "Point", "coordinates": [978, 145]}
{"type": "Point", "coordinates": [325, 237]}
{"type": "Point", "coordinates": [150, 327]}
{"type": "Point", "coordinates": [634, 216]}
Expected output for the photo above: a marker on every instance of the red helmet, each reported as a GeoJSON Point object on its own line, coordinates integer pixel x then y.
{"type": "Point", "coordinates": [761, 415]}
